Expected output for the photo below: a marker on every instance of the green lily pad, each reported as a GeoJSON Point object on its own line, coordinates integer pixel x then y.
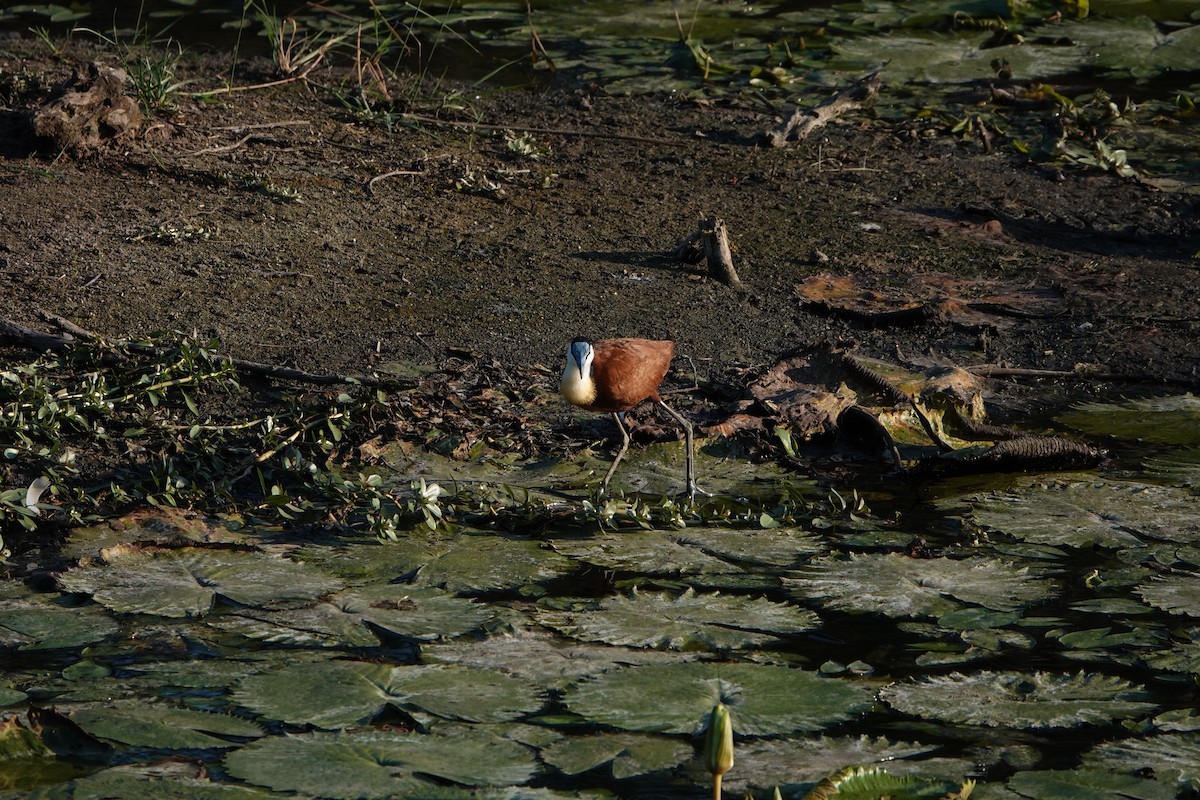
{"type": "Point", "coordinates": [765, 763]}
{"type": "Point", "coordinates": [764, 700]}
{"type": "Point", "coordinates": [370, 764]}
{"type": "Point", "coordinates": [167, 780]}
{"type": "Point", "coordinates": [1169, 757]}
{"type": "Point", "coordinates": [688, 621]}
{"type": "Point", "coordinates": [1177, 593]}
{"type": "Point", "coordinates": [1020, 700]}
{"type": "Point", "coordinates": [775, 547]}
{"type": "Point", "coordinates": [646, 552]}
{"type": "Point", "coordinates": [337, 694]}
{"type": "Point", "coordinates": [899, 586]}
{"type": "Point", "coordinates": [1164, 420]}
{"type": "Point", "coordinates": [34, 623]}
{"type": "Point", "coordinates": [1089, 784]}
{"type": "Point", "coordinates": [541, 658]}
{"type": "Point", "coordinates": [135, 722]}
{"type": "Point", "coordinates": [463, 562]}
{"type": "Point", "coordinates": [187, 582]}
{"type": "Point", "coordinates": [1177, 469]}
{"type": "Point", "coordinates": [349, 618]}
{"type": "Point", "coordinates": [10, 696]}
{"type": "Point", "coordinates": [1093, 513]}
{"type": "Point", "coordinates": [628, 754]}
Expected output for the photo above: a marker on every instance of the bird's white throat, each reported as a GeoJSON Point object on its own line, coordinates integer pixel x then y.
{"type": "Point", "coordinates": [579, 390]}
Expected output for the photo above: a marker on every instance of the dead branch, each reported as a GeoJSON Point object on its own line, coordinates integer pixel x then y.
{"type": "Point", "coordinates": [806, 120]}
{"type": "Point", "coordinates": [710, 243]}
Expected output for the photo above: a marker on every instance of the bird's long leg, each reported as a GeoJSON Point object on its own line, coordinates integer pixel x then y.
{"type": "Point", "coordinates": [691, 459]}
{"type": "Point", "coordinates": [620, 454]}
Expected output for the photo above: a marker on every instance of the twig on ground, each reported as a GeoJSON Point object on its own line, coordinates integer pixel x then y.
{"type": "Point", "coordinates": [806, 120]}
{"type": "Point", "coordinates": [394, 173]}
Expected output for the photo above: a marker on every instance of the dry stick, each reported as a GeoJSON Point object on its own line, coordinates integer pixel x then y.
{"type": "Point", "coordinates": [394, 173]}
{"type": "Point", "coordinates": [806, 120]}
{"type": "Point", "coordinates": [287, 123]}
{"type": "Point", "coordinates": [38, 340]}
{"type": "Point", "coordinates": [223, 148]}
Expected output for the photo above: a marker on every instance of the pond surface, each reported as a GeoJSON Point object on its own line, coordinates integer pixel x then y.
{"type": "Point", "coordinates": [1038, 633]}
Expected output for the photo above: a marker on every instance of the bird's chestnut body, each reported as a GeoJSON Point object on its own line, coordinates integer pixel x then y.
{"type": "Point", "coordinates": [622, 373]}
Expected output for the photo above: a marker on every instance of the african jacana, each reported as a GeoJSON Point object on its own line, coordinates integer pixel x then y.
{"type": "Point", "coordinates": [615, 375]}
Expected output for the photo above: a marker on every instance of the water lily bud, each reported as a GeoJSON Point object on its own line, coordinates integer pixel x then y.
{"type": "Point", "coordinates": [718, 746]}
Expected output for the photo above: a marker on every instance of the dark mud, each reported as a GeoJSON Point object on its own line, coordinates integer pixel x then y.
{"type": "Point", "coordinates": [253, 217]}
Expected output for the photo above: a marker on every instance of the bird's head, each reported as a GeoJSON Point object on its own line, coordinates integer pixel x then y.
{"type": "Point", "coordinates": [579, 358]}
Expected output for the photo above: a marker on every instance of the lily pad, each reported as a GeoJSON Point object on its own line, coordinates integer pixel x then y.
{"type": "Point", "coordinates": [162, 781]}
{"type": "Point", "coordinates": [647, 552]}
{"type": "Point", "coordinates": [781, 548]}
{"type": "Point", "coordinates": [1164, 420]}
{"type": "Point", "coordinates": [370, 764]}
{"type": "Point", "coordinates": [1093, 513]}
{"type": "Point", "coordinates": [34, 623]}
{"type": "Point", "coordinates": [628, 754]}
{"type": "Point", "coordinates": [337, 694]}
{"type": "Point", "coordinates": [688, 621]}
{"type": "Point", "coordinates": [764, 763]}
{"type": "Point", "coordinates": [463, 562]}
{"type": "Point", "coordinates": [542, 659]}
{"type": "Point", "coordinates": [1178, 593]}
{"type": "Point", "coordinates": [1169, 757]}
{"type": "Point", "coordinates": [899, 586]}
{"type": "Point", "coordinates": [141, 724]}
{"type": "Point", "coordinates": [1089, 784]}
{"type": "Point", "coordinates": [188, 581]}
{"type": "Point", "coordinates": [764, 700]}
{"type": "Point", "coordinates": [1020, 700]}
{"type": "Point", "coordinates": [351, 617]}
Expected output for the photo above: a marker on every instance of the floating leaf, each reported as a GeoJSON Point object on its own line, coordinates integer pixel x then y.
{"type": "Point", "coordinates": [141, 724]}
{"type": "Point", "coordinates": [541, 658]}
{"type": "Point", "coordinates": [648, 552]}
{"type": "Point", "coordinates": [629, 754]}
{"type": "Point", "coordinates": [899, 586]}
{"type": "Point", "coordinates": [1020, 700]}
{"type": "Point", "coordinates": [187, 582]}
{"type": "Point", "coordinates": [1177, 593]}
{"type": "Point", "coordinates": [336, 694]}
{"type": "Point", "coordinates": [777, 547]}
{"type": "Point", "coordinates": [464, 562]}
{"type": "Point", "coordinates": [774, 762]}
{"type": "Point", "coordinates": [350, 617]}
{"type": "Point", "coordinates": [165, 780]}
{"type": "Point", "coordinates": [370, 764]}
{"type": "Point", "coordinates": [1089, 784]}
{"type": "Point", "coordinates": [764, 700]}
{"type": "Point", "coordinates": [1165, 420]}
{"type": "Point", "coordinates": [690, 620]}
{"type": "Point", "coordinates": [35, 624]}
{"type": "Point", "coordinates": [1099, 512]}
{"type": "Point", "coordinates": [1169, 757]}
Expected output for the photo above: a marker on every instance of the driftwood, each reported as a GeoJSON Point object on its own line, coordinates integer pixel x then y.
{"type": "Point", "coordinates": [41, 341]}
{"type": "Point", "coordinates": [806, 120]}
{"type": "Point", "coordinates": [91, 108]}
{"type": "Point", "coordinates": [710, 243]}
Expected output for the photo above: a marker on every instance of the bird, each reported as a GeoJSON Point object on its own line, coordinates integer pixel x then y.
{"type": "Point", "coordinates": [614, 376]}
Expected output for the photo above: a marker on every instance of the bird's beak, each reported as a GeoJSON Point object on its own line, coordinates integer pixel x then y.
{"type": "Point", "coordinates": [579, 365]}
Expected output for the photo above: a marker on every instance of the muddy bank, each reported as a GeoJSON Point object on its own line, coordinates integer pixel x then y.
{"type": "Point", "coordinates": [299, 234]}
